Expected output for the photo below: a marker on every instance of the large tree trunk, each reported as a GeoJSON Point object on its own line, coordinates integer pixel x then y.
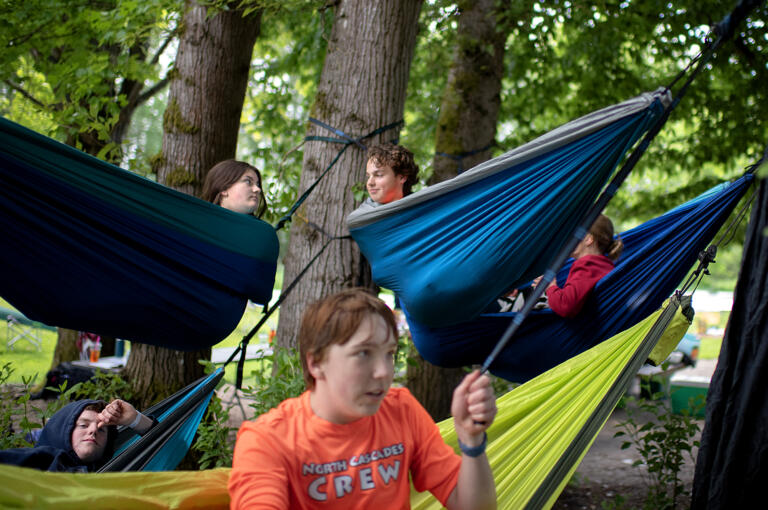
{"type": "Point", "coordinates": [731, 468]}
{"type": "Point", "coordinates": [362, 87]}
{"type": "Point", "coordinates": [466, 129]}
{"type": "Point", "coordinates": [200, 126]}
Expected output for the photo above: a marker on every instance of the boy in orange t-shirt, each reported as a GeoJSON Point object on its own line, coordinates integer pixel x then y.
{"type": "Point", "coordinates": [351, 441]}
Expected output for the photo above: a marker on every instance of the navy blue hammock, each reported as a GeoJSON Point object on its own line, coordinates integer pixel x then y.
{"type": "Point", "coordinates": [657, 256]}
{"type": "Point", "coordinates": [92, 247]}
{"type": "Point", "coordinates": [450, 250]}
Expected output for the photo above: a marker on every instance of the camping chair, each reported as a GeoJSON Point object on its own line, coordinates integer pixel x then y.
{"type": "Point", "coordinates": [22, 329]}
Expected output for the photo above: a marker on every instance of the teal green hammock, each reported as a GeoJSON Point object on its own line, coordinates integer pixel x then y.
{"type": "Point", "coordinates": [91, 247]}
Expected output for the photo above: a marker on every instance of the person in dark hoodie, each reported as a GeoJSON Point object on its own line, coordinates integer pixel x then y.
{"type": "Point", "coordinates": [80, 437]}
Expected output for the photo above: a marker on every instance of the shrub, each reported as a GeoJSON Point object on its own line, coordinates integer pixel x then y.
{"type": "Point", "coordinates": [663, 442]}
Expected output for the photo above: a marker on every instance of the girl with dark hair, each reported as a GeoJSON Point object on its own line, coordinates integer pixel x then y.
{"type": "Point", "coordinates": [235, 185]}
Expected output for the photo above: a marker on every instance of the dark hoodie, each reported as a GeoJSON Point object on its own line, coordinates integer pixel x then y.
{"type": "Point", "coordinates": [53, 451]}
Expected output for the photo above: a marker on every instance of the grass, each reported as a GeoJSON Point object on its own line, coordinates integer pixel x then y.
{"type": "Point", "coordinates": [28, 362]}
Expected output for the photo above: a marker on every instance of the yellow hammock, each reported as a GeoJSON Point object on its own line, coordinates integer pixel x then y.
{"type": "Point", "coordinates": [534, 430]}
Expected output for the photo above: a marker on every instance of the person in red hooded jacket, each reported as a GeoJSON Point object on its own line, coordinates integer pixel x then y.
{"type": "Point", "coordinates": [595, 256]}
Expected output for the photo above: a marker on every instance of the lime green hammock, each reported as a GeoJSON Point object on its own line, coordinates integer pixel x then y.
{"type": "Point", "coordinates": [542, 430]}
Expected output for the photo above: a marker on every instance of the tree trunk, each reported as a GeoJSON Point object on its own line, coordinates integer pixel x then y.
{"type": "Point", "coordinates": [731, 467]}
{"type": "Point", "coordinates": [433, 386]}
{"type": "Point", "coordinates": [66, 347]}
{"type": "Point", "coordinates": [200, 127]}
{"type": "Point", "coordinates": [466, 129]}
{"type": "Point", "coordinates": [362, 87]}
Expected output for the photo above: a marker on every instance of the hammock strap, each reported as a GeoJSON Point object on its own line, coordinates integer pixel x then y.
{"type": "Point", "coordinates": [707, 256]}
{"type": "Point", "coordinates": [598, 417]}
{"type": "Point", "coordinates": [459, 158]}
{"type": "Point", "coordinates": [344, 139]}
{"type": "Point", "coordinates": [613, 186]}
{"type": "Point", "coordinates": [243, 347]}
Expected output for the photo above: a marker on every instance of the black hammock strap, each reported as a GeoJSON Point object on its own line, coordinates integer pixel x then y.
{"type": "Point", "coordinates": [459, 158]}
{"type": "Point", "coordinates": [708, 255]}
{"type": "Point", "coordinates": [242, 348]}
{"type": "Point", "coordinates": [724, 30]}
{"type": "Point", "coordinates": [344, 139]}
{"type": "Point", "coordinates": [347, 141]}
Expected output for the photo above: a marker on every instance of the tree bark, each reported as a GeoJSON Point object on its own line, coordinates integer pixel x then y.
{"type": "Point", "coordinates": [433, 386]}
{"type": "Point", "coordinates": [466, 129]}
{"type": "Point", "coordinates": [469, 110]}
{"type": "Point", "coordinates": [200, 127]}
{"type": "Point", "coordinates": [66, 347]}
{"type": "Point", "coordinates": [362, 87]}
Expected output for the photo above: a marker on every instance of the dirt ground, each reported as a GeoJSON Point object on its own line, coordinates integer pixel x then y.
{"type": "Point", "coordinates": [607, 471]}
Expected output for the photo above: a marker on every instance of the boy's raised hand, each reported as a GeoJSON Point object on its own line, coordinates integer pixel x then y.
{"type": "Point", "coordinates": [473, 408]}
{"type": "Point", "coordinates": [117, 412]}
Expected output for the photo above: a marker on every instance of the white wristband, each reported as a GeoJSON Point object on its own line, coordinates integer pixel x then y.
{"type": "Point", "coordinates": [135, 421]}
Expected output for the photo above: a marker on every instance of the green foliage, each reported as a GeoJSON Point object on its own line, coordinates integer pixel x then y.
{"type": "Point", "coordinates": [664, 440]}
{"type": "Point", "coordinates": [288, 58]}
{"type": "Point", "coordinates": [404, 358]}
{"type": "Point", "coordinates": [429, 74]}
{"type": "Point", "coordinates": [617, 503]}
{"type": "Point", "coordinates": [213, 437]}
{"type": "Point", "coordinates": [70, 63]}
{"type": "Point", "coordinates": [105, 386]}
{"type": "Point", "coordinates": [286, 380]}
{"type": "Point", "coordinates": [564, 61]}
{"type": "Point", "coordinates": [11, 406]}
{"type": "Point", "coordinates": [15, 408]}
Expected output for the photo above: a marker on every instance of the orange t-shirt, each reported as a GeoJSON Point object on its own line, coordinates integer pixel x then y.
{"type": "Point", "coordinates": [291, 458]}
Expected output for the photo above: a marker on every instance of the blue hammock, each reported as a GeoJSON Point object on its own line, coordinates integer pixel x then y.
{"type": "Point", "coordinates": [92, 247]}
{"type": "Point", "coordinates": [656, 257]}
{"type": "Point", "coordinates": [165, 444]}
{"type": "Point", "coordinates": [448, 251]}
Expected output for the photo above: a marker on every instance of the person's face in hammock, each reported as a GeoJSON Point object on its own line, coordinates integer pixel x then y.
{"type": "Point", "coordinates": [353, 378]}
{"type": "Point", "coordinates": [383, 184]}
{"type": "Point", "coordinates": [88, 439]}
{"type": "Point", "coordinates": [244, 195]}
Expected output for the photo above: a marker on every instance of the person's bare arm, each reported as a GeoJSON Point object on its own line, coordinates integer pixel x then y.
{"type": "Point", "coordinates": [473, 408]}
